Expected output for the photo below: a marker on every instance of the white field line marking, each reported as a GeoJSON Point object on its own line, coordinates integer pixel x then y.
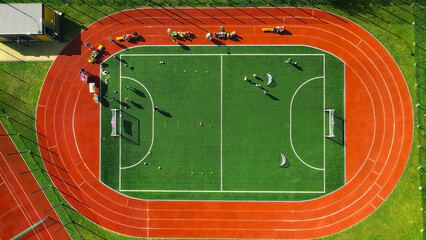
{"type": "Point", "coordinates": [119, 140]}
{"type": "Point", "coordinates": [221, 122]}
{"type": "Point", "coordinates": [137, 190]}
{"type": "Point", "coordinates": [152, 139]}
{"type": "Point", "coordinates": [219, 191]}
{"type": "Point", "coordinates": [221, 54]}
{"type": "Point", "coordinates": [291, 136]}
{"type": "Point", "coordinates": [323, 71]}
{"type": "Point", "coordinates": [100, 126]}
{"type": "Point", "coordinates": [344, 118]}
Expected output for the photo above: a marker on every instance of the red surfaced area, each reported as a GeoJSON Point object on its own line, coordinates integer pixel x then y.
{"type": "Point", "coordinates": [20, 205]}
{"type": "Point", "coordinates": [378, 127]}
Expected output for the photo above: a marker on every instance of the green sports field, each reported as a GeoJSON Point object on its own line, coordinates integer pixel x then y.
{"type": "Point", "coordinates": [216, 136]}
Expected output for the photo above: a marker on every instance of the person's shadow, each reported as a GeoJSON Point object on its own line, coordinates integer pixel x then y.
{"type": "Point", "coordinates": [164, 113]}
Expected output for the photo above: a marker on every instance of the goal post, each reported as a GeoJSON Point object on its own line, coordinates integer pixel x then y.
{"type": "Point", "coordinates": [114, 122]}
{"type": "Point", "coordinates": [330, 123]}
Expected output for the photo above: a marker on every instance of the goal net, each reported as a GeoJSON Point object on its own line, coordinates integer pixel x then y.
{"type": "Point", "coordinates": [114, 122]}
{"type": "Point", "coordinates": [330, 123]}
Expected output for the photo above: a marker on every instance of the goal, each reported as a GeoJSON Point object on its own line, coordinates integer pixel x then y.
{"type": "Point", "coordinates": [330, 123]}
{"type": "Point", "coordinates": [114, 122]}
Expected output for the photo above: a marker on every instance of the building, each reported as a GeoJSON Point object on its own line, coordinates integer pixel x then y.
{"type": "Point", "coordinates": [27, 22]}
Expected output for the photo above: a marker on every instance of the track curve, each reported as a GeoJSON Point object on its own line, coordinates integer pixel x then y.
{"type": "Point", "coordinates": [379, 128]}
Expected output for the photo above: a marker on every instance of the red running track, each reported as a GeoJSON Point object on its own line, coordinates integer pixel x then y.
{"type": "Point", "coordinates": [378, 113]}
{"type": "Point", "coordinates": [20, 207]}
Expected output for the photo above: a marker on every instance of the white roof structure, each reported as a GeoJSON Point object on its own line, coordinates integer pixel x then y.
{"type": "Point", "coordinates": [21, 18]}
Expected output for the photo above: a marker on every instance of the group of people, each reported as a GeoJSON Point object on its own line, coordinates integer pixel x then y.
{"type": "Point", "coordinates": [128, 37]}
{"type": "Point", "coordinates": [181, 35]}
{"type": "Point", "coordinates": [95, 54]}
{"type": "Point", "coordinates": [225, 35]}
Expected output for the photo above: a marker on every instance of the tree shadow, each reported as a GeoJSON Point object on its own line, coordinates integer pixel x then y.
{"type": "Point", "coordinates": [102, 92]}
{"type": "Point", "coordinates": [92, 232]}
{"type": "Point", "coordinates": [129, 3]}
{"type": "Point", "coordinates": [96, 80]}
{"type": "Point", "coordinates": [47, 223]}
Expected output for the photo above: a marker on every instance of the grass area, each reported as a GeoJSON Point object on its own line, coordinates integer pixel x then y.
{"type": "Point", "coordinates": [419, 37]}
{"type": "Point", "coordinates": [398, 217]}
{"type": "Point", "coordinates": [252, 128]}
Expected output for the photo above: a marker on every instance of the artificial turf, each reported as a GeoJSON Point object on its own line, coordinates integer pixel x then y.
{"type": "Point", "coordinates": [216, 136]}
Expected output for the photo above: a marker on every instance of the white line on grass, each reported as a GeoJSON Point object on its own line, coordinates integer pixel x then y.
{"type": "Point", "coordinates": [221, 190]}
{"type": "Point", "coordinates": [323, 111]}
{"type": "Point", "coordinates": [152, 139]}
{"type": "Point", "coordinates": [217, 191]}
{"type": "Point", "coordinates": [221, 122]}
{"type": "Point", "coordinates": [291, 139]}
{"type": "Point", "coordinates": [119, 140]}
{"type": "Point", "coordinates": [100, 125]}
{"type": "Point", "coordinates": [221, 54]}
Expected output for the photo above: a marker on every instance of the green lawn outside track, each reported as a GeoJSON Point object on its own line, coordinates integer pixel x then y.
{"type": "Point", "coordinates": [216, 136]}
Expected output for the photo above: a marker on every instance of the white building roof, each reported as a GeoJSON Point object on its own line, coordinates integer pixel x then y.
{"type": "Point", "coordinates": [21, 18]}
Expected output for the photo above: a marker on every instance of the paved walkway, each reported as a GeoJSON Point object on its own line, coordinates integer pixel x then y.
{"type": "Point", "coordinates": [32, 51]}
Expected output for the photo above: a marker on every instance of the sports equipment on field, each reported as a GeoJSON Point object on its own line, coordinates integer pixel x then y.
{"type": "Point", "coordinates": [283, 159]}
{"type": "Point", "coordinates": [114, 122]}
{"type": "Point", "coordinates": [330, 123]}
{"type": "Point", "coordinates": [270, 79]}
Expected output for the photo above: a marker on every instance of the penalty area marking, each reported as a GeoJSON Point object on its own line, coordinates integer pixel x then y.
{"type": "Point", "coordinates": [291, 135]}
{"type": "Point", "coordinates": [152, 139]}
